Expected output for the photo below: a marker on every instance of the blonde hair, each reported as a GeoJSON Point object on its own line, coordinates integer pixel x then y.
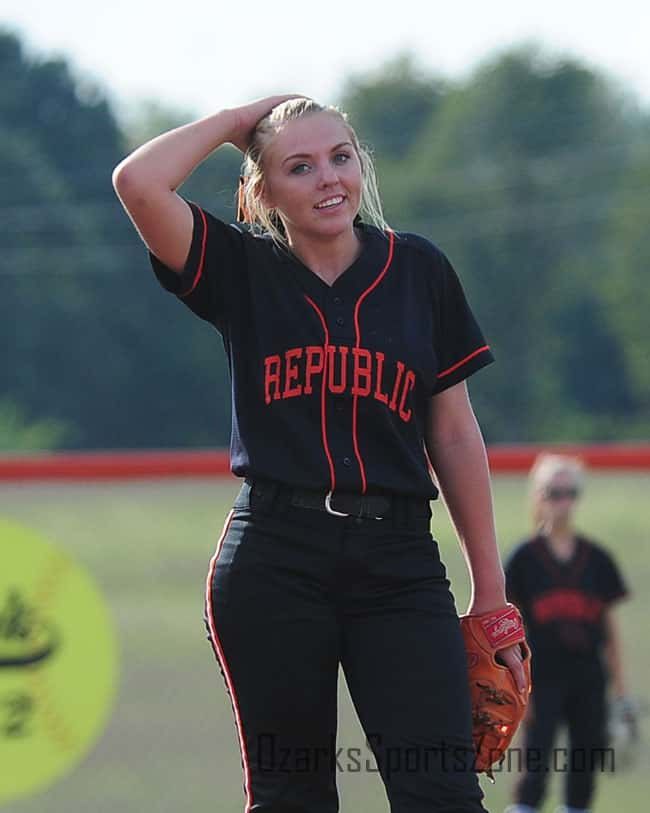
{"type": "Point", "coordinates": [545, 466]}
{"type": "Point", "coordinates": [268, 220]}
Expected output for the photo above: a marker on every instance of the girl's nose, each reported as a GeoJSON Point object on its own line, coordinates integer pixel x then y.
{"type": "Point", "coordinates": [328, 174]}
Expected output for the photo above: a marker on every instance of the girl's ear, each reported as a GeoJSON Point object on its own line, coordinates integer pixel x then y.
{"type": "Point", "coordinates": [265, 196]}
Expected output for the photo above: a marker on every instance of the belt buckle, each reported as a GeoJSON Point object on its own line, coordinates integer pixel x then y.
{"type": "Point", "coordinates": [330, 510]}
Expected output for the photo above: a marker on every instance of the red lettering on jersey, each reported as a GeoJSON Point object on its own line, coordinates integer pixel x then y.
{"type": "Point", "coordinates": [409, 383]}
{"type": "Point", "coordinates": [366, 372]}
{"type": "Point", "coordinates": [398, 379]}
{"type": "Point", "coordinates": [343, 353]}
{"type": "Point", "coordinates": [311, 368]}
{"type": "Point", "coordinates": [362, 371]}
{"type": "Point", "coordinates": [271, 377]}
{"type": "Point", "coordinates": [291, 372]}
{"type": "Point", "coordinates": [567, 605]}
{"type": "Point", "coordinates": [379, 395]}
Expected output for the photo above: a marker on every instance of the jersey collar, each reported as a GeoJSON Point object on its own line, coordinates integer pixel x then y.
{"type": "Point", "coordinates": [356, 277]}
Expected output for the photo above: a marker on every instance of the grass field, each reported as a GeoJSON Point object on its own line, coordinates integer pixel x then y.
{"type": "Point", "coordinates": [170, 746]}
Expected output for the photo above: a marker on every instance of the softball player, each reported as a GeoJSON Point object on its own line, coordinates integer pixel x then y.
{"type": "Point", "coordinates": [348, 347]}
{"type": "Point", "coordinates": [565, 586]}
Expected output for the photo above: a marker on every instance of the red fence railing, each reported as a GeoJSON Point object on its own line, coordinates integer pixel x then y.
{"type": "Point", "coordinates": [125, 465]}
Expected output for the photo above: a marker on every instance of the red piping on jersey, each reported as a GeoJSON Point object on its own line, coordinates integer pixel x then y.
{"type": "Point", "coordinates": [323, 419]}
{"type": "Point", "coordinates": [463, 361]}
{"type": "Point", "coordinates": [355, 398]}
{"type": "Point", "coordinates": [218, 651]}
{"type": "Point", "coordinates": [199, 271]}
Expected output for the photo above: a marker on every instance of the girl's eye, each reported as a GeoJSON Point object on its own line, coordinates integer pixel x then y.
{"type": "Point", "coordinates": [340, 158]}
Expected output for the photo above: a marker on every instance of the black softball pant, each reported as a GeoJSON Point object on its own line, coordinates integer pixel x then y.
{"type": "Point", "coordinates": [291, 593]}
{"type": "Point", "coordinates": [576, 697]}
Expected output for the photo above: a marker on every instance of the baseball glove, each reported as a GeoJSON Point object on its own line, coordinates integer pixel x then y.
{"type": "Point", "coordinates": [623, 732]}
{"type": "Point", "coordinates": [497, 705]}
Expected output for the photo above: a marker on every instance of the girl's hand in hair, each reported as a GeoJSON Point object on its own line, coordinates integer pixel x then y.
{"type": "Point", "coordinates": [247, 116]}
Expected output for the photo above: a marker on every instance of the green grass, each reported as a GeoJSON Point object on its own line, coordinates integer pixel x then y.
{"type": "Point", "coordinates": [170, 746]}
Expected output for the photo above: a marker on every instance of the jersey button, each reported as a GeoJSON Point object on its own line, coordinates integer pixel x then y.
{"type": "Point", "coordinates": [340, 321]}
{"type": "Point", "coordinates": [347, 461]}
{"type": "Point", "coordinates": [337, 300]}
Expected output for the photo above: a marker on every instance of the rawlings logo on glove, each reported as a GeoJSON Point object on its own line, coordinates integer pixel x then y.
{"type": "Point", "coordinates": [498, 706]}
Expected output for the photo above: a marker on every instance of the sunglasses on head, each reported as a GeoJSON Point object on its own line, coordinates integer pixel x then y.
{"type": "Point", "coordinates": [559, 493]}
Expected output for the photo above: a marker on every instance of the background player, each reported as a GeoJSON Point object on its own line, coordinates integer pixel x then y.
{"type": "Point", "coordinates": [565, 586]}
{"type": "Point", "coordinates": [348, 347]}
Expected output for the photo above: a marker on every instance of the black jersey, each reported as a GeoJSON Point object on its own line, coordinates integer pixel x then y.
{"type": "Point", "coordinates": [563, 603]}
{"type": "Point", "coordinates": [330, 383]}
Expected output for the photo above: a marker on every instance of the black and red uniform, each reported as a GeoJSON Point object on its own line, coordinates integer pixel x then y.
{"type": "Point", "coordinates": [563, 604]}
{"type": "Point", "coordinates": [331, 386]}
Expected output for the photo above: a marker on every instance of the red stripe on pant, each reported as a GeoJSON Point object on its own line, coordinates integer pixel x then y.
{"type": "Point", "coordinates": [218, 651]}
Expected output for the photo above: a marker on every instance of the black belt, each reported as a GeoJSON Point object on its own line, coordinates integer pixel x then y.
{"type": "Point", "coordinates": [343, 503]}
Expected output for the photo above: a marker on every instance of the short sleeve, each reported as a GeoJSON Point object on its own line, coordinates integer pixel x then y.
{"type": "Point", "coordinates": [512, 572]}
{"type": "Point", "coordinates": [614, 588]}
{"type": "Point", "coordinates": [213, 269]}
{"type": "Point", "coordinates": [459, 344]}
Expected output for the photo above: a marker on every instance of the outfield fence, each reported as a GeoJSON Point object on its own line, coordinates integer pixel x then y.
{"type": "Point", "coordinates": [156, 464]}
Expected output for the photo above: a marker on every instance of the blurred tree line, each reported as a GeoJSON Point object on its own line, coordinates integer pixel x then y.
{"type": "Point", "coordinates": [531, 174]}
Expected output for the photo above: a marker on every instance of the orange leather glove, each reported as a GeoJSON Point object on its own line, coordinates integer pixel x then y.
{"type": "Point", "coordinates": [498, 707]}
